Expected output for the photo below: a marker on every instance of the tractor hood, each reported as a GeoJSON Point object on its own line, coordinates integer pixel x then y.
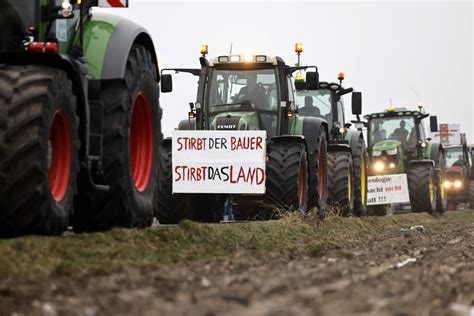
{"type": "Point", "coordinates": [386, 145]}
{"type": "Point", "coordinates": [455, 172]}
{"type": "Point", "coordinates": [236, 121]}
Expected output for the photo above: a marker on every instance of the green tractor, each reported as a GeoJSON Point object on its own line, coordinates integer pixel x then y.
{"type": "Point", "coordinates": [347, 153]}
{"type": "Point", "coordinates": [397, 144]}
{"type": "Point", "coordinates": [80, 131]}
{"type": "Point", "coordinates": [252, 92]}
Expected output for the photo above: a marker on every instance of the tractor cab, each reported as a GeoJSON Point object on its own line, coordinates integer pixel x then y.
{"type": "Point", "coordinates": [396, 133]}
{"type": "Point", "coordinates": [326, 102]}
{"type": "Point", "coordinates": [243, 92]}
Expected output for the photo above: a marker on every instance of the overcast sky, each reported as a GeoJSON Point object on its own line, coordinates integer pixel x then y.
{"type": "Point", "coordinates": [386, 49]}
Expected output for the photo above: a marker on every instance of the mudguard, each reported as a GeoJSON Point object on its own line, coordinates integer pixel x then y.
{"type": "Point", "coordinates": [422, 161]}
{"type": "Point", "coordinates": [107, 43]}
{"type": "Point", "coordinates": [76, 72]}
{"type": "Point", "coordinates": [434, 151]}
{"type": "Point", "coordinates": [187, 125]}
{"type": "Point", "coordinates": [354, 138]}
{"type": "Point", "coordinates": [167, 142]}
{"type": "Point", "coordinates": [290, 138]}
{"type": "Point", "coordinates": [332, 147]}
{"type": "Point", "coordinates": [310, 131]}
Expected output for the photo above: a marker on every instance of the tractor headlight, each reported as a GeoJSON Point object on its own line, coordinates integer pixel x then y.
{"type": "Point", "coordinates": [376, 153]}
{"type": "Point", "coordinates": [392, 165]}
{"type": "Point", "coordinates": [392, 152]}
{"type": "Point", "coordinates": [447, 184]}
{"type": "Point", "coordinates": [379, 166]}
{"type": "Point", "coordinates": [457, 184]}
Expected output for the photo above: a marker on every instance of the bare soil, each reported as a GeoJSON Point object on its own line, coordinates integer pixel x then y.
{"type": "Point", "coordinates": [358, 276]}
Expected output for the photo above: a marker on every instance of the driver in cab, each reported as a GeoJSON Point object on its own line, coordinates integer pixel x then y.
{"type": "Point", "coordinates": [253, 92]}
{"type": "Point", "coordinates": [400, 133]}
{"type": "Point", "coordinates": [309, 109]}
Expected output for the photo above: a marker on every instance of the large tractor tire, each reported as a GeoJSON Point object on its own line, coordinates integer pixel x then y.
{"type": "Point", "coordinates": [171, 207]}
{"type": "Point", "coordinates": [38, 150]}
{"type": "Point", "coordinates": [360, 159]}
{"type": "Point", "coordinates": [471, 194]}
{"type": "Point", "coordinates": [287, 176]}
{"type": "Point", "coordinates": [442, 196]}
{"type": "Point", "coordinates": [318, 176]}
{"type": "Point", "coordinates": [341, 183]}
{"type": "Point", "coordinates": [132, 142]}
{"type": "Point", "coordinates": [422, 188]}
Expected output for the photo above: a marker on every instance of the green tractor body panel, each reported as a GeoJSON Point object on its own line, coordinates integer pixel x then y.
{"type": "Point", "coordinates": [395, 163]}
{"type": "Point", "coordinates": [387, 145]}
{"type": "Point", "coordinates": [97, 33]}
{"type": "Point", "coordinates": [296, 125]}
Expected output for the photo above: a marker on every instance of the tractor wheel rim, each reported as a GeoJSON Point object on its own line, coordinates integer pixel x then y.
{"type": "Point", "coordinates": [59, 156]}
{"type": "Point", "coordinates": [141, 142]}
{"type": "Point", "coordinates": [321, 173]}
{"type": "Point", "coordinates": [301, 186]}
{"type": "Point", "coordinates": [363, 179]}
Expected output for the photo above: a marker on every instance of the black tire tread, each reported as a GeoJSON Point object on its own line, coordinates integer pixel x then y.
{"type": "Point", "coordinates": [100, 210]}
{"type": "Point", "coordinates": [339, 166]}
{"type": "Point", "coordinates": [282, 174]}
{"type": "Point", "coordinates": [314, 200]}
{"type": "Point", "coordinates": [28, 95]}
{"type": "Point", "coordinates": [360, 208]}
{"type": "Point", "coordinates": [471, 194]}
{"type": "Point", "coordinates": [170, 208]}
{"type": "Point", "coordinates": [418, 186]}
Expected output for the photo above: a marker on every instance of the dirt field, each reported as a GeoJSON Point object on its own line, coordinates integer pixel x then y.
{"type": "Point", "coordinates": [351, 270]}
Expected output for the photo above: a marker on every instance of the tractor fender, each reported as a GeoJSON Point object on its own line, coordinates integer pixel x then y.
{"type": "Point", "coordinates": [290, 138]}
{"type": "Point", "coordinates": [434, 151]}
{"type": "Point", "coordinates": [76, 72]}
{"type": "Point", "coordinates": [335, 147]}
{"type": "Point", "coordinates": [126, 33]}
{"type": "Point", "coordinates": [311, 130]}
{"type": "Point", "coordinates": [422, 161]}
{"type": "Point", "coordinates": [354, 138]}
{"type": "Point", "coordinates": [167, 142]}
{"type": "Point", "coordinates": [187, 125]}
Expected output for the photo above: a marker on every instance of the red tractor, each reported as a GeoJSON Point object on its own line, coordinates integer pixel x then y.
{"type": "Point", "coordinates": [458, 184]}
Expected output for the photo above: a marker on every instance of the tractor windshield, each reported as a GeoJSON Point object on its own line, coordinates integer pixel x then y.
{"type": "Point", "coordinates": [401, 128]}
{"type": "Point", "coordinates": [15, 17]}
{"type": "Point", "coordinates": [254, 90]}
{"type": "Point", "coordinates": [315, 103]}
{"type": "Point", "coordinates": [454, 156]}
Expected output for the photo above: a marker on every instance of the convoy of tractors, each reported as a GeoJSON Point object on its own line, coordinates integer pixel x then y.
{"type": "Point", "coordinates": [81, 143]}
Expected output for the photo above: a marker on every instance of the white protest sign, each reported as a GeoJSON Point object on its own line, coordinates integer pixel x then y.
{"type": "Point", "coordinates": [448, 134]}
{"type": "Point", "coordinates": [387, 189]}
{"type": "Point", "coordinates": [219, 161]}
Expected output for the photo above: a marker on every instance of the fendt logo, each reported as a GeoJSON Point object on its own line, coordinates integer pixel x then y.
{"type": "Point", "coordinates": [227, 126]}
{"type": "Point", "coordinates": [113, 3]}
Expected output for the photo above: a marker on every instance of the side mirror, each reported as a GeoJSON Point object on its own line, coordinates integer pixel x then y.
{"type": "Point", "coordinates": [166, 83]}
{"type": "Point", "coordinates": [357, 103]}
{"type": "Point", "coordinates": [434, 124]}
{"type": "Point", "coordinates": [312, 80]}
{"type": "Point", "coordinates": [113, 3]}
